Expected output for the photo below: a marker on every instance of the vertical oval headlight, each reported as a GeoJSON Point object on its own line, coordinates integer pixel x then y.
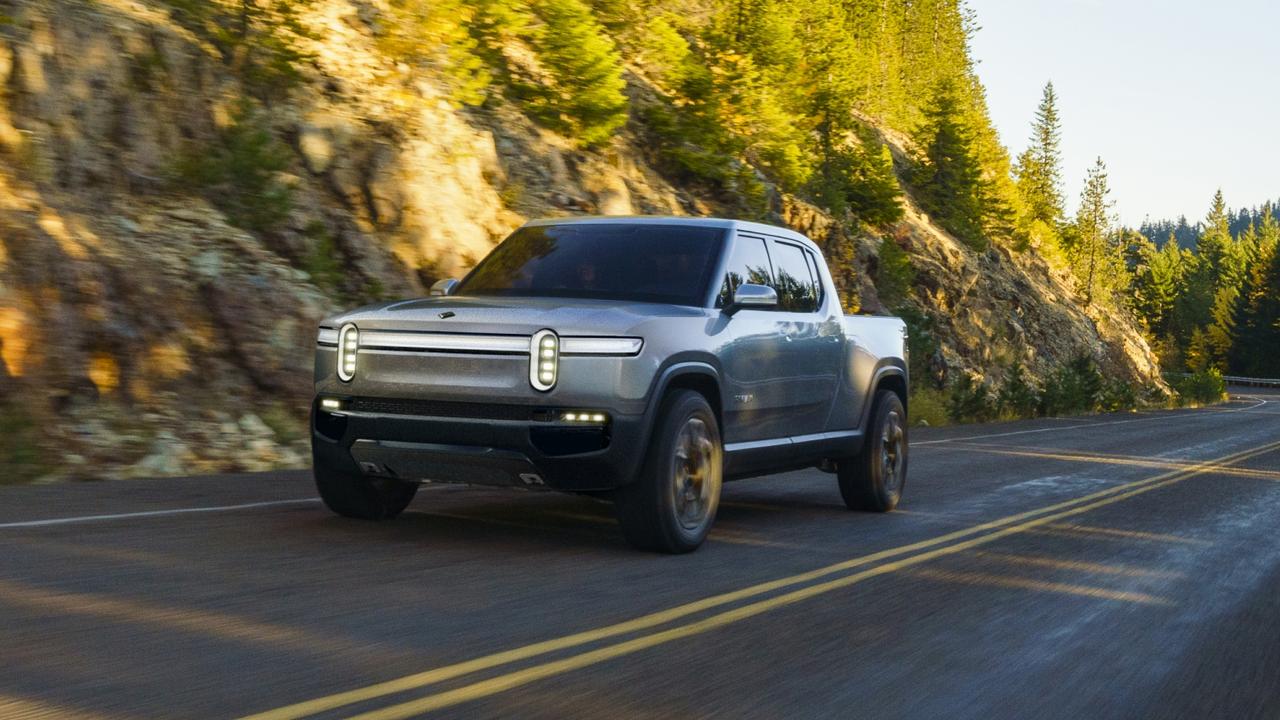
{"type": "Point", "coordinates": [348, 345]}
{"type": "Point", "coordinates": [544, 360]}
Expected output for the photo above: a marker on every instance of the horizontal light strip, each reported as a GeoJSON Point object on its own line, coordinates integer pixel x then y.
{"type": "Point", "coordinates": [600, 346]}
{"type": "Point", "coordinates": [513, 344]}
{"type": "Point", "coordinates": [448, 343]}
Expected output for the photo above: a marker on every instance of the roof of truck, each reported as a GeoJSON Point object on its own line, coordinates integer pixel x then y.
{"type": "Point", "coordinates": [725, 223]}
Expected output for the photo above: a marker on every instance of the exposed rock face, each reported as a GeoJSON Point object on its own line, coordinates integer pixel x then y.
{"type": "Point", "coordinates": [995, 308]}
{"type": "Point", "coordinates": [144, 334]}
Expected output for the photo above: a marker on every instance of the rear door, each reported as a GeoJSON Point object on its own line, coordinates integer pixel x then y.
{"type": "Point", "coordinates": [812, 340]}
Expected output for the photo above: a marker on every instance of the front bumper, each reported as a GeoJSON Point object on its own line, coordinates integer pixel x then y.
{"type": "Point", "coordinates": [506, 445]}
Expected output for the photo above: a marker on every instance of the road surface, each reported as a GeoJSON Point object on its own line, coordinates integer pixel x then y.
{"type": "Point", "coordinates": [1123, 566]}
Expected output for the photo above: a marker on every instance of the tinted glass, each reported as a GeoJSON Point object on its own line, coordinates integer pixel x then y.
{"type": "Point", "coordinates": [643, 263]}
{"type": "Point", "coordinates": [817, 275]}
{"type": "Point", "coordinates": [793, 281]}
{"type": "Point", "coordinates": [749, 263]}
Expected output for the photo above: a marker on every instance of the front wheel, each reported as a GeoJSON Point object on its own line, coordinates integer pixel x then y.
{"type": "Point", "coordinates": [874, 478]}
{"type": "Point", "coordinates": [670, 507]}
{"type": "Point", "coordinates": [365, 498]}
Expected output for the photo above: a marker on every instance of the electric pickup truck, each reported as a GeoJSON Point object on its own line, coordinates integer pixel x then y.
{"type": "Point", "coordinates": [643, 360]}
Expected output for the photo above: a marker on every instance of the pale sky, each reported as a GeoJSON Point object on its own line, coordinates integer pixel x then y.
{"type": "Point", "coordinates": [1179, 97]}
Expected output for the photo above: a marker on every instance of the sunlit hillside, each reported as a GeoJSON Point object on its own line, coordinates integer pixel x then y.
{"type": "Point", "coordinates": [187, 186]}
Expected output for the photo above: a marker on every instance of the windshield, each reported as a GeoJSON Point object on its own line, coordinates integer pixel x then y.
{"type": "Point", "coordinates": [614, 261]}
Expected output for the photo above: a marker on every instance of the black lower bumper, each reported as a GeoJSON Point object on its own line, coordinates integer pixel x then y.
{"type": "Point", "coordinates": [483, 451]}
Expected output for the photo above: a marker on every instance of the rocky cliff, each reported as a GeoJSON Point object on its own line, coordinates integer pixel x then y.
{"type": "Point", "coordinates": [145, 331]}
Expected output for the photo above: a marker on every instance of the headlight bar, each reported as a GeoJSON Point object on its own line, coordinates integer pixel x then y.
{"type": "Point", "coordinates": [348, 346]}
{"type": "Point", "coordinates": [544, 359]}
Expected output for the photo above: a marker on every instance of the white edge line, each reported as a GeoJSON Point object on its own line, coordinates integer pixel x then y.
{"type": "Point", "coordinates": [1060, 428]}
{"type": "Point", "coordinates": [152, 513]}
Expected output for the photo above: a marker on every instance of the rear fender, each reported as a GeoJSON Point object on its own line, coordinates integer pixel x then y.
{"type": "Point", "coordinates": [890, 373]}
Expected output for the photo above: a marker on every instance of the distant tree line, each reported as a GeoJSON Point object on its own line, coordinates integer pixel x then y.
{"type": "Point", "coordinates": [1216, 306]}
{"type": "Point", "coordinates": [1208, 294]}
{"type": "Point", "coordinates": [1186, 234]}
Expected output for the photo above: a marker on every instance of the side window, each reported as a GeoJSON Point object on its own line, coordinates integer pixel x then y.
{"type": "Point", "coordinates": [817, 276]}
{"type": "Point", "coordinates": [794, 280]}
{"type": "Point", "coordinates": [748, 263]}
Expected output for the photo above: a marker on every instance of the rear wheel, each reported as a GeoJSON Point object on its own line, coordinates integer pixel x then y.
{"type": "Point", "coordinates": [672, 504]}
{"type": "Point", "coordinates": [365, 498]}
{"type": "Point", "coordinates": [874, 478]}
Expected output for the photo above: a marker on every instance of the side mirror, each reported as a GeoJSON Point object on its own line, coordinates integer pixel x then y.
{"type": "Point", "coordinates": [443, 287]}
{"type": "Point", "coordinates": [752, 296]}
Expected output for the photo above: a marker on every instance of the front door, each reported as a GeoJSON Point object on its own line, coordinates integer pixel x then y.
{"type": "Point", "coordinates": [751, 351]}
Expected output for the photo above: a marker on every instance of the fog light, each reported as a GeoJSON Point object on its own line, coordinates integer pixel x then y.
{"type": "Point", "coordinates": [330, 404]}
{"type": "Point", "coordinates": [348, 346]}
{"type": "Point", "coordinates": [584, 416]}
{"type": "Point", "coordinates": [544, 359]}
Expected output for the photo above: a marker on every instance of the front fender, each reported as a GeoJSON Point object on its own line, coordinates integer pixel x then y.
{"type": "Point", "coordinates": [702, 369]}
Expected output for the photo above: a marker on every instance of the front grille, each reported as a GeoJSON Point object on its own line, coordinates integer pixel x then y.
{"type": "Point", "coordinates": [441, 408]}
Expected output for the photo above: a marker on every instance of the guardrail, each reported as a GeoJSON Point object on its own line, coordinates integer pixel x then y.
{"type": "Point", "coordinates": [1251, 382]}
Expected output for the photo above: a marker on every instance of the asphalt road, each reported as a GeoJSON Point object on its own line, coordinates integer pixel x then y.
{"type": "Point", "coordinates": [1104, 567]}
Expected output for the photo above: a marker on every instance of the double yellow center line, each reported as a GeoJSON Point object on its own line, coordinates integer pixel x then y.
{"type": "Point", "coordinates": [898, 558]}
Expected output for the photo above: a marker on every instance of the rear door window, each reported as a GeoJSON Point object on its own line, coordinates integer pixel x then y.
{"type": "Point", "coordinates": [817, 275]}
{"type": "Point", "coordinates": [793, 279]}
{"type": "Point", "coordinates": [748, 263]}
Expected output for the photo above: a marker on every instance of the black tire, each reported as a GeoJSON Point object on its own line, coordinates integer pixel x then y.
{"type": "Point", "coordinates": [364, 498]}
{"type": "Point", "coordinates": [873, 479]}
{"type": "Point", "coordinates": [685, 452]}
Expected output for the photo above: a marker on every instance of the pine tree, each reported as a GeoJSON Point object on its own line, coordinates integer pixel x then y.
{"type": "Point", "coordinates": [436, 32]}
{"type": "Point", "coordinates": [874, 195]}
{"type": "Point", "coordinates": [587, 97]}
{"type": "Point", "coordinates": [1255, 347]}
{"type": "Point", "coordinates": [950, 178]}
{"type": "Point", "coordinates": [1164, 282]}
{"type": "Point", "coordinates": [1094, 253]}
{"type": "Point", "coordinates": [1039, 167]}
{"type": "Point", "coordinates": [1215, 238]}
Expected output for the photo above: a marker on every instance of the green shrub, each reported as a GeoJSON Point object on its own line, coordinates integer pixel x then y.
{"type": "Point", "coordinates": [322, 262]}
{"type": "Point", "coordinates": [288, 425]}
{"type": "Point", "coordinates": [258, 39]}
{"type": "Point", "coordinates": [928, 406]}
{"type": "Point", "coordinates": [1018, 398]}
{"type": "Point", "coordinates": [435, 33]}
{"type": "Point", "coordinates": [1073, 388]}
{"type": "Point", "coordinates": [239, 173]}
{"type": "Point", "coordinates": [665, 53]}
{"type": "Point", "coordinates": [688, 146]}
{"type": "Point", "coordinates": [970, 401]}
{"type": "Point", "coordinates": [1200, 388]}
{"type": "Point", "coordinates": [894, 274]}
{"type": "Point", "coordinates": [19, 455]}
{"type": "Point", "coordinates": [859, 177]}
{"type": "Point", "coordinates": [921, 346]}
{"type": "Point", "coordinates": [1117, 396]}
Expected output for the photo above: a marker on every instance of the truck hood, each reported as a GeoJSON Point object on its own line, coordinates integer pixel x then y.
{"type": "Point", "coordinates": [510, 315]}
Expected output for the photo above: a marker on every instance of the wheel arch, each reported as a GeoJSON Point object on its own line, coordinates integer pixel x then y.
{"type": "Point", "coordinates": [697, 375]}
{"type": "Point", "coordinates": [892, 376]}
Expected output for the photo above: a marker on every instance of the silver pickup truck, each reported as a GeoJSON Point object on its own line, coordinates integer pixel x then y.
{"type": "Point", "coordinates": [644, 360]}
